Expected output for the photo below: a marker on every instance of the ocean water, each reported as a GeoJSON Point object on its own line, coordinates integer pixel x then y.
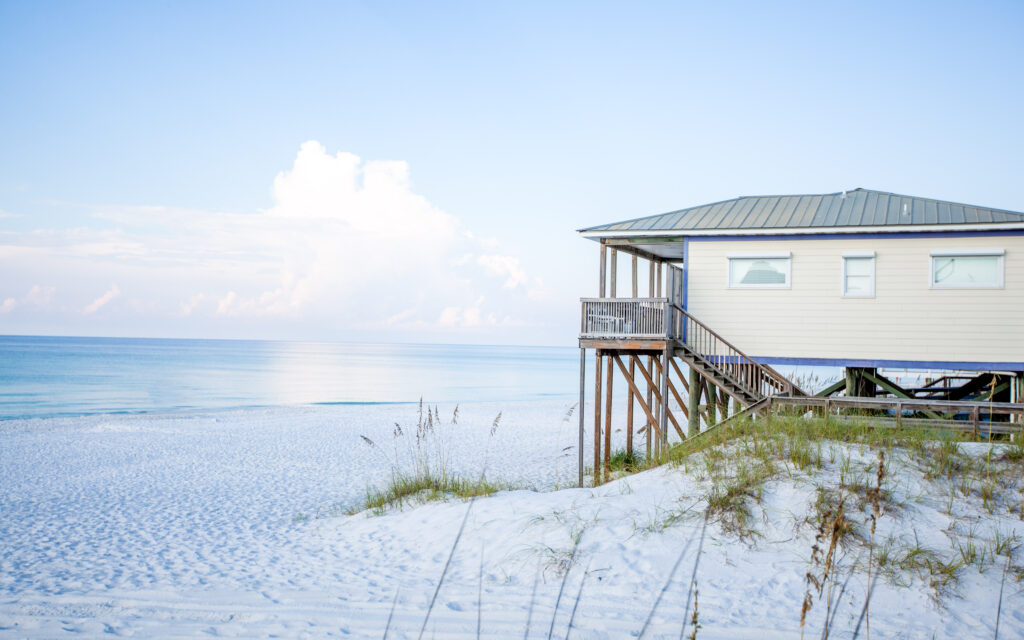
{"type": "Point", "coordinates": [58, 376]}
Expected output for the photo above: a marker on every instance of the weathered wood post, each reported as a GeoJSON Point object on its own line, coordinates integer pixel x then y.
{"type": "Point", "coordinates": [711, 396]}
{"type": "Point", "coordinates": [693, 420]}
{"type": "Point", "coordinates": [663, 415]}
{"type": "Point", "coordinates": [583, 398]}
{"type": "Point", "coordinates": [597, 417]}
{"type": "Point", "coordinates": [615, 272]}
{"type": "Point", "coordinates": [650, 364]}
{"type": "Point", "coordinates": [666, 356]}
{"type": "Point", "coordinates": [608, 420]}
{"type": "Point", "coordinates": [632, 376]}
{"type": "Point", "coordinates": [629, 411]}
{"type": "Point", "coordinates": [601, 276]}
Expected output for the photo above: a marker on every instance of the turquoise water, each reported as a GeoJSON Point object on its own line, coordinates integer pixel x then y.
{"type": "Point", "coordinates": [57, 376]}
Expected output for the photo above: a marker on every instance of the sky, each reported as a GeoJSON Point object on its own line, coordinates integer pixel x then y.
{"type": "Point", "coordinates": [415, 172]}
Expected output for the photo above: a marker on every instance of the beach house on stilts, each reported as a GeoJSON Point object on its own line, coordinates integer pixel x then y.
{"type": "Point", "coordinates": [860, 279]}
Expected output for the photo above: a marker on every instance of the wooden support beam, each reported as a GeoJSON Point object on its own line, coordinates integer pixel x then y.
{"type": "Point", "coordinates": [693, 427]}
{"type": "Point", "coordinates": [675, 394]}
{"type": "Point", "coordinates": [608, 421]}
{"type": "Point", "coordinates": [583, 398]}
{"type": "Point", "coordinates": [633, 388]}
{"type": "Point", "coordinates": [653, 423]}
{"type": "Point", "coordinates": [893, 388]}
{"type": "Point", "coordinates": [832, 388]}
{"type": "Point", "coordinates": [710, 397]}
{"type": "Point", "coordinates": [619, 344]}
{"type": "Point", "coordinates": [629, 402]}
{"type": "Point", "coordinates": [664, 399]}
{"type": "Point", "coordinates": [658, 397]}
{"type": "Point", "coordinates": [679, 374]}
{"type": "Point", "coordinates": [604, 269]}
{"type": "Point", "coordinates": [597, 421]}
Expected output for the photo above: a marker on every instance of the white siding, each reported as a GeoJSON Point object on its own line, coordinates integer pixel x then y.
{"type": "Point", "coordinates": [906, 320]}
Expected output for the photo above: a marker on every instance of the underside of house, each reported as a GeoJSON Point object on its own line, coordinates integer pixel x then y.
{"type": "Point", "coordinates": [695, 306]}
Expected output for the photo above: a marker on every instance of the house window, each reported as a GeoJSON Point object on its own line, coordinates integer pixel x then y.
{"type": "Point", "coordinates": [967, 269]}
{"type": "Point", "coordinates": [759, 271]}
{"type": "Point", "coordinates": [859, 275]}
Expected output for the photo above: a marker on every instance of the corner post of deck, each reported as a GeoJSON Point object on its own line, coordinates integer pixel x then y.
{"type": "Point", "coordinates": [604, 270]}
{"type": "Point", "coordinates": [583, 398]}
{"type": "Point", "coordinates": [614, 267]}
{"type": "Point", "coordinates": [635, 288]}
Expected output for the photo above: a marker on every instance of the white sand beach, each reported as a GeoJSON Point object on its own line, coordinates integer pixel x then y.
{"type": "Point", "coordinates": [232, 524]}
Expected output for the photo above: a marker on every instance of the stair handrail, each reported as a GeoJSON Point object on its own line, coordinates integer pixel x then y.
{"type": "Point", "coordinates": [744, 363]}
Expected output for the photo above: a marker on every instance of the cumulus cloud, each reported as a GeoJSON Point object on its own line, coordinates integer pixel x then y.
{"type": "Point", "coordinates": [346, 243]}
{"type": "Point", "coordinates": [8, 305]}
{"type": "Point", "coordinates": [101, 301]}
{"type": "Point", "coordinates": [506, 267]}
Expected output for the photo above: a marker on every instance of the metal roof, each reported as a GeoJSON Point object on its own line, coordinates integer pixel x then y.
{"type": "Point", "coordinates": [856, 208]}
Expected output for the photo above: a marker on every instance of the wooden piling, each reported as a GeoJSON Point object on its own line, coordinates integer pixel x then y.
{"type": "Point", "coordinates": [608, 420]}
{"type": "Point", "coordinates": [693, 422]}
{"type": "Point", "coordinates": [597, 420]}
{"type": "Point", "coordinates": [583, 398]}
{"type": "Point", "coordinates": [664, 397]}
{"type": "Point", "coordinates": [629, 412]}
{"type": "Point", "coordinates": [632, 373]}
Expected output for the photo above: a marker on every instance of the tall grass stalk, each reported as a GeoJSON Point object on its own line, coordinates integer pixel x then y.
{"type": "Point", "coordinates": [999, 608]}
{"type": "Point", "coordinates": [876, 497]}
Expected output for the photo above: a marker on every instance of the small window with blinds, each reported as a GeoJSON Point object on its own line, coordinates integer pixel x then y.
{"type": "Point", "coordinates": [859, 275]}
{"type": "Point", "coordinates": [760, 271]}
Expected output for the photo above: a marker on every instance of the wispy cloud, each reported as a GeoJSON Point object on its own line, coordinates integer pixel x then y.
{"type": "Point", "coordinates": [100, 302]}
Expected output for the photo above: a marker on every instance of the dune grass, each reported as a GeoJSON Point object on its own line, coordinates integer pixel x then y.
{"type": "Point", "coordinates": [427, 485]}
{"type": "Point", "coordinates": [419, 458]}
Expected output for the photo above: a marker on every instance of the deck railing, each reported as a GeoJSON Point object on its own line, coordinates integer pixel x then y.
{"type": "Point", "coordinates": [760, 379]}
{"type": "Point", "coordinates": [658, 318]}
{"type": "Point", "coordinates": [624, 318]}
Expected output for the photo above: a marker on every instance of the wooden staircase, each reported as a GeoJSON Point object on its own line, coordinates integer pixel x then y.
{"type": "Point", "coordinates": [728, 368]}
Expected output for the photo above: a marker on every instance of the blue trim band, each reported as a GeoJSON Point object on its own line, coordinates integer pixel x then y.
{"type": "Point", "coordinates": [894, 364]}
{"type": "Point", "coordinates": [842, 236]}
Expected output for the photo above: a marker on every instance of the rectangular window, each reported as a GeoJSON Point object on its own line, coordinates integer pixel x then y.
{"type": "Point", "coordinates": [967, 269]}
{"type": "Point", "coordinates": [759, 271]}
{"type": "Point", "coordinates": [859, 275]}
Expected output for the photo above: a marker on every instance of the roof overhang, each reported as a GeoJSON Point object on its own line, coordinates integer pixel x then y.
{"type": "Point", "coordinates": [668, 245]}
{"type": "Point", "coordinates": [677, 235]}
